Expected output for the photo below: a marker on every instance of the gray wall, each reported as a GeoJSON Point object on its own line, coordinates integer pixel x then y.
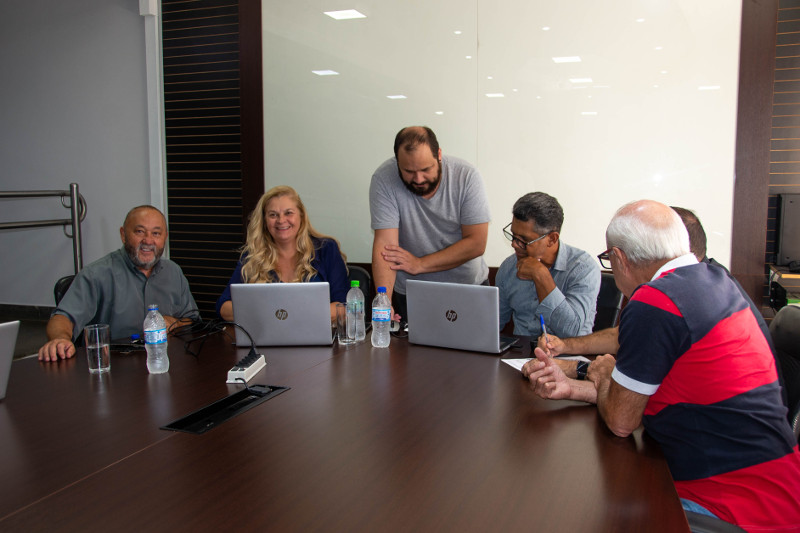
{"type": "Point", "coordinates": [73, 108]}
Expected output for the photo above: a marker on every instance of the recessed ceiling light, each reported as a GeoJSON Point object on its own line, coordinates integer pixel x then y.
{"type": "Point", "coordinates": [545, 28]}
{"type": "Point", "coordinates": [515, 90]}
{"type": "Point", "coordinates": [457, 32]}
{"type": "Point", "coordinates": [469, 57]}
{"type": "Point", "coordinates": [489, 78]}
{"type": "Point", "coordinates": [495, 95]}
{"type": "Point", "coordinates": [639, 20]}
{"type": "Point", "coordinates": [708, 88]}
{"type": "Point", "coordinates": [567, 59]}
{"type": "Point", "coordinates": [659, 48]}
{"type": "Point", "coordinates": [396, 97]}
{"type": "Point", "coordinates": [325, 72]}
{"type": "Point", "coordinates": [440, 112]}
{"type": "Point", "coordinates": [345, 14]}
{"type": "Point", "coordinates": [663, 72]}
{"type": "Point", "coordinates": [581, 80]}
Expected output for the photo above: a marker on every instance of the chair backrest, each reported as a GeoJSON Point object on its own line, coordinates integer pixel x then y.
{"type": "Point", "coordinates": [700, 523]}
{"type": "Point", "coordinates": [365, 284]}
{"type": "Point", "coordinates": [61, 287]}
{"type": "Point", "coordinates": [785, 332]}
{"type": "Point", "coordinates": [609, 303]}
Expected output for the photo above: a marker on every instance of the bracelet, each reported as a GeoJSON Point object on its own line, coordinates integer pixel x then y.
{"type": "Point", "coordinates": [581, 369]}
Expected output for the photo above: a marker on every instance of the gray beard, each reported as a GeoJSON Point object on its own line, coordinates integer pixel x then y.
{"type": "Point", "coordinates": [133, 254]}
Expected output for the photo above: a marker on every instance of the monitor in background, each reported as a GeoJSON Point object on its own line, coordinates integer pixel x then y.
{"type": "Point", "coordinates": [454, 315]}
{"type": "Point", "coordinates": [282, 314]}
{"type": "Point", "coordinates": [8, 340]}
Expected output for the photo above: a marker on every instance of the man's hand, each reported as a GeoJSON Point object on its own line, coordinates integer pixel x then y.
{"type": "Point", "coordinates": [553, 346]}
{"type": "Point", "coordinates": [59, 345]}
{"type": "Point", "coordinates": [400, 259]}
{"type": "Point", "coordinates": [56, 349]}
{"type": "Point", "coordinates": [600, 369]}
{"type": "Point", "coordinates": [531, 268]}
{"type": "Point", "coordinates": [547, 378]}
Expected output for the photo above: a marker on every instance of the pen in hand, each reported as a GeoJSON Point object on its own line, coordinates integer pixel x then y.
{"type": "Point", "coordinates": [544, 330]}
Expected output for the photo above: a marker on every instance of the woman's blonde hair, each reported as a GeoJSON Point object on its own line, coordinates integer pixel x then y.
{"type": "Point", "coordinates": [261, 253]}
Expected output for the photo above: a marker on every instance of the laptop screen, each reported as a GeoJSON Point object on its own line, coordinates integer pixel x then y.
{"type": "Point", "coordinates": [8, 340]}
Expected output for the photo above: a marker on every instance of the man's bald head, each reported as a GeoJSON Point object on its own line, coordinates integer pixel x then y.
{"type": "Point", "coordinates": [648, 231]}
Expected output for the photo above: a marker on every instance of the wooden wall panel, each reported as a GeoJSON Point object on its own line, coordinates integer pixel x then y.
{"type": "Point", "coordinates": [204, 108]}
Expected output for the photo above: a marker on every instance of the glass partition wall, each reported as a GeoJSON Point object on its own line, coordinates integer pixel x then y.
{"type": "Point", "coordinates": [596, 103]}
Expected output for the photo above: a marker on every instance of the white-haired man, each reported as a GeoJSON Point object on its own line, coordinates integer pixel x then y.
{"type": "Point", "coordinates": [693, 367]}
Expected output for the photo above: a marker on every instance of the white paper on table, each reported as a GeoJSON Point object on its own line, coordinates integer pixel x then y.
{"type": "Point", "coordinates": [519, 363]}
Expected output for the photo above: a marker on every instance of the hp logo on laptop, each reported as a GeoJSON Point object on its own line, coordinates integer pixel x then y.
{"type": "Point", "coordinates": [281, 314]}
{"type": "Point", "coordinates": [451, 315]}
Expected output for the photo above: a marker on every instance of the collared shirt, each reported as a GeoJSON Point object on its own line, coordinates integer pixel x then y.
{"type": "Point", "coordinates": [689, 341]}
{"type": "Point", "coordinates": [681, 261]}
{"type": "Point", "coordinates": [113, 291]}
{"type": "Point", "coordinates": [568, 310]}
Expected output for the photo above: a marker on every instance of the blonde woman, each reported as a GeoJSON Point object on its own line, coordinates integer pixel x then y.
{"type": "Point", "coordinates": [283, 247]}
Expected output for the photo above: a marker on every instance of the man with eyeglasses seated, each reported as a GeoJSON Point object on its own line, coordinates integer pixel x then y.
{"type": "Point", "coordinates": [692, 367]}
{"type": "Point", "coordinates": [545, 277]}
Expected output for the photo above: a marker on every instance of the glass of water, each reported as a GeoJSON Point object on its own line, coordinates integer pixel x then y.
{"type": "Point", "coordinates": [98, 353]}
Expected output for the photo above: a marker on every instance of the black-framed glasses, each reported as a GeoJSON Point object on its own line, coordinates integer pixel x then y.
{"type": "Point", "coordinates": [605, 259]}
{"type": "Point", "coordinates": [519, 242]}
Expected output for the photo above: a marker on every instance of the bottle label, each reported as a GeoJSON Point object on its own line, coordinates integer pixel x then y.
{"type": "Point", "coordinates": [156, 336]}
{"type": "Point", "coordinates": [380, 314]}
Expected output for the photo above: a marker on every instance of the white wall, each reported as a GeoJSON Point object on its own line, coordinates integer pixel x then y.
{"type": "Point", "coordinates": [73, 108]}
{"type": "Point", "coordinates": [651, 133]}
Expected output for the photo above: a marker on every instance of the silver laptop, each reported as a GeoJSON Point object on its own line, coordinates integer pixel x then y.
{"type": "Point", "coordinates": [454, 315]}
{"type": "Point", "coordinates": [8, 340]}
{"type": "Point", "coordinates": [282, 314]}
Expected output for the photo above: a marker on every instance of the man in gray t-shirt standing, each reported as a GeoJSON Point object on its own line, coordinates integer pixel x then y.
{"type": "Point", "coordinates": [430, 215]}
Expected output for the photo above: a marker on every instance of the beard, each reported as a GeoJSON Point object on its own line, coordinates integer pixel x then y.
{"type": "Point", "coordinates": [133, 253]}
{"type": "Point", "coordinates": [428, 187]}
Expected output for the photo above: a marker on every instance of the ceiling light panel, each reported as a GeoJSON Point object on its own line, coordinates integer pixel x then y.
{"type": "Point", "coordinates": [345, 14]}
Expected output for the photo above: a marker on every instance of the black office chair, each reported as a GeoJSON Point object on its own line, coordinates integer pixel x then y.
{"type": "Point", "coordinates": [609, 303]}
{"type": "Point", "coordinates": [785, 331]}
{"type": "Point", "coordinates": [700, 523]}
{"type": "Point", "coordinates": [356, 272]}
{"type": "Point", "coordinates": [795, 420]}
{"type": "Point", "coordinates": [61, 287]}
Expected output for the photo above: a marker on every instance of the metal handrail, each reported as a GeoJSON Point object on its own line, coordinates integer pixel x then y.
{"type": "Point", "coordinates": [77, 209]}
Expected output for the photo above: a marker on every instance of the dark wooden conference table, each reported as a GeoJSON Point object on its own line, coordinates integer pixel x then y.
{"type": "Point", "coordinates": [408, 438]}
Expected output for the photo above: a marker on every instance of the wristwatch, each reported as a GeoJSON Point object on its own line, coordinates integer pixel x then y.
{"type": "Point", "coordinates": [581, 369]}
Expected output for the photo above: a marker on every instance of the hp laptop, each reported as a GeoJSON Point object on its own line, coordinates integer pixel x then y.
{"type": "Point", "coordinates": [282, 314]}
{"type": "Point", "coordinates": [8, 340]}
{"type": "Point", "coordinates": [454, 315]}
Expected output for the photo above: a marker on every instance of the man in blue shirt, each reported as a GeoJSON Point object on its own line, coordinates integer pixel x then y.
{"type": "Point", "coordinates": [545, 277]}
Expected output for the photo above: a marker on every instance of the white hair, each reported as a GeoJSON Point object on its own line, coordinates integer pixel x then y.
{"type": "Point", "coordinates": [648, 231]}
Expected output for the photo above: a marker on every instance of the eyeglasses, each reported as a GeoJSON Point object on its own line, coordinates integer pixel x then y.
{"type": "Point", "coordinates": [605, 259]}
{"type": "Point", "coordinates": [519, 242]}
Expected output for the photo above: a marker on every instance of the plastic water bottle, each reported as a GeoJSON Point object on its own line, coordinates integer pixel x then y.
{"type": "Point", "coordinates": [381, 318]}
{"type": "Point", "coordinates": [355, 312]}
{"type": "Point", "coordinates": [155, 341]}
